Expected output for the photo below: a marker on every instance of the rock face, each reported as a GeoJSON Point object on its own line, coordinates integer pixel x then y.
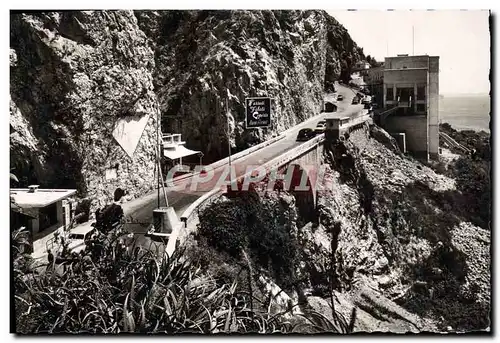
{"type": "Point", "coordinates": [77, 76]}
{"type": "Point", "coordinates": [395, 233]}
{"type": "Point", "coordinates": [386, 242]}
{"type": "Point", "coordinates": [204, 58]}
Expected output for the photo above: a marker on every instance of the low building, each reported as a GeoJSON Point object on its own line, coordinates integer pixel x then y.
{"type": "Point", "coordinates": [41, 211]}
{"type": "Point", "coordinates": [174, 150]}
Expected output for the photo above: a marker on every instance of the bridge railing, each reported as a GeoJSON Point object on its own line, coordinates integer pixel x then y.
{"type": "Point", "coordinates": [189, 214]}
{"type": "Point", "coordinates": [292, 154]}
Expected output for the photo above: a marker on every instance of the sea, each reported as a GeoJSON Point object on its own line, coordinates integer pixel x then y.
{"type": "Point", "coordinates": [465, 112]}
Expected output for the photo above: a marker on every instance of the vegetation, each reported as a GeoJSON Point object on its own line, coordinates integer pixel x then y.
{"type": "Point", "coordinates": [114, 288]}
{"type": "Point", "coordinates": [258, 226]}
{"type": "Point", "coordinates": [472, 174]}
{"type": "Point", "coordinates": [373, 62]}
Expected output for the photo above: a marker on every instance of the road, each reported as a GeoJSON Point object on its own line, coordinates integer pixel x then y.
{"type": "Point", "coordinates": [141, 210]}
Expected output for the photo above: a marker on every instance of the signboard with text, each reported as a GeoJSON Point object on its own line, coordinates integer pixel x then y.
{"type": "Point", "coordinates": [258, 112]}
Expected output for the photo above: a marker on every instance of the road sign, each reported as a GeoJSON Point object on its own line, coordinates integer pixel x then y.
{"type": "Point", "coordinates": [258, 112]}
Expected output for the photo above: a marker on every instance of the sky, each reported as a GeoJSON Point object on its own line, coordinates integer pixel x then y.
{"type": "Point", "coordinates": [460, 38]}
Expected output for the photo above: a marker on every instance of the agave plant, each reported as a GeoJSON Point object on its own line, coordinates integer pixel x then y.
{"type": "Point", "coordinates": [13, 177]}
{"type": "Point", "coordinates": [131, 291]}
{"type": "Point", "coordinates": [115, 289]}
{"type": "Point", "coordinates": [316, 322]}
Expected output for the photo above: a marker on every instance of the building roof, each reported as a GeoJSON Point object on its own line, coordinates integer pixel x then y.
{"type": "Point", "coordinates": [82, 229]}
{"type": "Point", "coordinates": [399, 69]}
{"type": "Point", "coordinates": [410, 56]}
{"type": "Point", "coordinates": [178, 152]}
{"type": "Point", "coordinates": [40, 198]}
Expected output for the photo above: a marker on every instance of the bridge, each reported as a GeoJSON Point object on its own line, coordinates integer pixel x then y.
{"type": "Point", "coordinates": [282, 153]}
{"type": "Point", "coordinates": [298, 168]}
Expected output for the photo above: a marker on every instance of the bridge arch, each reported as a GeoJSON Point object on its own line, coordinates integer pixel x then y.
{"type": "Point", "coordinates": [302, 188]}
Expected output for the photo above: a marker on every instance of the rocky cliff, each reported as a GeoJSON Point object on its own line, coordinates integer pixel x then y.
{"type": "Point", "coordinates": [204, 58]}
{"type": "Point", "coordinates": [390, 241]}
{"type": "Point", "coordinates": [78, 77]}
{"type": "Point", "coordinates": [398, 229]}
{"type": "Point", "coordinates": [74, 77]}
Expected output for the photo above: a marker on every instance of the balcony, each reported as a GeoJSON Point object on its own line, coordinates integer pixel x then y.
{"type": "Point", "coordinates": [172, 140]}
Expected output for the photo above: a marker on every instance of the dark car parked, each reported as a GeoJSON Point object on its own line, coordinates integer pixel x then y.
{"type": "Point", "coordinates": [305, 135]}
{"type": "Point", "coordinates": [321, 127]}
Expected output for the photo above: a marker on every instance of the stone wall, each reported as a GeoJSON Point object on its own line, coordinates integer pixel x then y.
{"type": "Point", "coordinates": [415, 128]}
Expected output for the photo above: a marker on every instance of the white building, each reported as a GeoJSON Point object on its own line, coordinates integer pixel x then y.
{"type": "Point", "coordinates": [41, 210]}
{"type": "Point", "coordinates": [411, 83]}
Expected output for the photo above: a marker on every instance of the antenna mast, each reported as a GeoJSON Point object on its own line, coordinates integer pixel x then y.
{"type": "Point", "coordinates": [413, 39]}
{"type": "Point", "coordinates": [158, 155]}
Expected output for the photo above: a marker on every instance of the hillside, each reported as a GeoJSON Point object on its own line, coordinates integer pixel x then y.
{"type": "Point", "coordinates": [393, 240]}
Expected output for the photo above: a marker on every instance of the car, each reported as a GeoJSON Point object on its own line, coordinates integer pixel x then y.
{"type": "Point", "coordinates": [340, 97]}
{"type": "Point", "coordinates": [78, 238]}
{"type": "Point", "coordinates": [321, 127]}
{"type": "Point", "coordinates": [355, 101]}
{"type": "Point", "coordinates": [305, 134]}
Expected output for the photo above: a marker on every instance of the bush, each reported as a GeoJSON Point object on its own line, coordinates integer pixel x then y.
{"type": "Point", "coordinates": [135, 290]}
{"type": "Point", "coordinates": [473, 180]}
{"type": "Point", "coordinates": [258, 226]}
{"type": "Point", "coordinates": [82, 211]}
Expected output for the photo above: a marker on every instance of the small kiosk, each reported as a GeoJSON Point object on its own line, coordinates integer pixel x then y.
{"type": "Point", "coordinates": [174, 150]}
{"type": "Point", "coordinates": [164, 217]}
{"type": "Point", "coordinates": [330, 107]}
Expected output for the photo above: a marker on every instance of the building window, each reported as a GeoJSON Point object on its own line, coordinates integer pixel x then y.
{"type": "Point", "coordinates": [390, 94]}
{"type": "Point", "coordinates": [47, 216]}
{"type": "Point", "coordinates": [421, 108]}
{"type": "Point", "coordinates": [421, 93]}
{"type": "Point", "coordinates": [404, 94]}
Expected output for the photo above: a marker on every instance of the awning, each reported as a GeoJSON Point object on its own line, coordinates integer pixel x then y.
{"type": "Point", "coordinates": [178, 152]}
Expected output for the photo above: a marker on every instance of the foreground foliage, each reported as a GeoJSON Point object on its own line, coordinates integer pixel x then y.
{"type": "Point", "coordinates": [134, 290]}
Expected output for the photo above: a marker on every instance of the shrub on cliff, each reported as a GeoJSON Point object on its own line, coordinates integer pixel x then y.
{"type": "Point", "coordinates": [256, 225]}
{"type": "Point", "coordinates": [473, 181]}
{"type": "Point", "coordinates": [472, 174]}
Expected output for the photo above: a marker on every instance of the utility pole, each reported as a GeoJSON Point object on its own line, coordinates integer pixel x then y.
{"type": "Point", "coordinates": [413, 39]}
{"type": "Point", "coordinates": [158, 162]}
{"type": "Point", "coordinates": [158, 118]}
{"type": "Point", "coordinates": [228, 132]}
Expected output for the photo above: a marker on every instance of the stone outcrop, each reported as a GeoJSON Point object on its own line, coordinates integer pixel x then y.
{"type": "Point", "coordinates": [204, 58]}
{"type": "Point", "coordinates": [75, 76]}
{"type": "Point", "coordinates": [395, 233]}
